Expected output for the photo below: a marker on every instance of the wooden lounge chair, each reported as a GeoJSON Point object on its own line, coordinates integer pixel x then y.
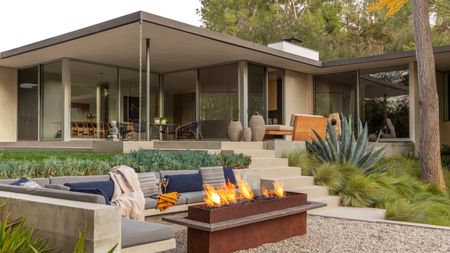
{"type": "Point", "coordinates": [300, 128]}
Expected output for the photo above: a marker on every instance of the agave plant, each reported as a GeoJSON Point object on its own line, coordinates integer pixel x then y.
{"type": "Point", "coordinates": [347, 148]}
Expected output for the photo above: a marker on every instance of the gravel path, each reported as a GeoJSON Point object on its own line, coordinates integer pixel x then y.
{"type": "Point", "coordinates": [340, 235]}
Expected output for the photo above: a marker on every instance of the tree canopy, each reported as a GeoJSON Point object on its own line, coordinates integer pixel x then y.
{"type": "Point", "coordinates": [335, 28]}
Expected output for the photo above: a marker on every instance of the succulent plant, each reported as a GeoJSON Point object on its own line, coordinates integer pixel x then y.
{"type": "Point", "coordinates": [347, 148]}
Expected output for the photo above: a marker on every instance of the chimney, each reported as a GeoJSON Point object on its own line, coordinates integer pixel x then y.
{"type": "Point", "coordinates": [293, 46]}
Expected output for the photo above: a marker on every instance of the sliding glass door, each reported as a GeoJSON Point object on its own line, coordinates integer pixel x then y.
{"type": "Point", "coordinates": [52, 101]}
{"type": "Point", "coordinates": [28, 104]}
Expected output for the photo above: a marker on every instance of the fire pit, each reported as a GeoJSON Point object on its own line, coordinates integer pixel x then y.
{"type": "Point", "coordinates": [234, 220]}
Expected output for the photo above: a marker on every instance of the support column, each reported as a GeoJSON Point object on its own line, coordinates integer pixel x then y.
{"type": "Point", "coordinates": [414, 122]}
{"type": "Point", "coordinates": [66, 82]}
{"type": "Point", "coordinates": [243, 92]}
{"type": "Point", "coordinates": [147, 85]}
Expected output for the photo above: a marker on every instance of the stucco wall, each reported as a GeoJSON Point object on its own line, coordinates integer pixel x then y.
{"type": "Point", "coordinates": [8, 104]}
{"type": "Point", "coordinates": [298, 94]}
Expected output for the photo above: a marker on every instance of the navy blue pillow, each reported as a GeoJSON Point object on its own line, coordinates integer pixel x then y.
{"type": "Point", "coordinates": [20, 181]}
{"type": "Point", "coordinates": [104, 188]}
{"type": "Point", "coordinates": [185, 183]}
{"type": "Point", "coordinates": [229, 175]}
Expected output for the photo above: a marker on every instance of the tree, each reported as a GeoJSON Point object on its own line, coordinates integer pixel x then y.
{"type": "Point", "coordinates": [429, 137]}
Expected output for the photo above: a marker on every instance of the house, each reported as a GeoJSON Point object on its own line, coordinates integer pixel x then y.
{"type": "Point", "coordinates": [71, 86]}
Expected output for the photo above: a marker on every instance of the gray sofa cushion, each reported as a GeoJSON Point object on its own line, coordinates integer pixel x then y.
{"type": "Point", "coordinates": [41, 181]}
{"type": "Point", "coordinates": [213, 176]}
{"type": "Point", "coordinates": [78, 179]}
{"type": "Point", "coordinates": [164, 173]}
{"type": "Point", "coordinates": [192, 197]}
{"type": "Point", "coordinates": [57, 187]}
{"type": "Point", "coordinates": [150, 203]}
{"type": "Point", "coordinates": [138, 232]}
{"type": "Point", "coordinates": [51, 193]}
{"type": "Point", "coordinates": [149, 183]}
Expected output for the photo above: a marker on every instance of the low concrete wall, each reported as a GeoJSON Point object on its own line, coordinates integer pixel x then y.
{"type": "Point", "coordinates": [395, 148]}
{"type": "Point", "coordinates": [60, 221]}
{"type": "Point", "coordinates": [284, 148]}
{"type": "Point", "coordinates": [120, 147]}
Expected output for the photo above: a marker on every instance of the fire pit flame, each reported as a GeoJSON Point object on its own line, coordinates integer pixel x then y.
{"type": "Point", "coordinates": [227, 195]}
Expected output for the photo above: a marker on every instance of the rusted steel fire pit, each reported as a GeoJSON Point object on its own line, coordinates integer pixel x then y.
{"type": "Point", "coordinates": [244, 225]}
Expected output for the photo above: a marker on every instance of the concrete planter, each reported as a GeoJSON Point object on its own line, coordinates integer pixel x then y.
{"type": "Point", "coordinates": [235, 130]}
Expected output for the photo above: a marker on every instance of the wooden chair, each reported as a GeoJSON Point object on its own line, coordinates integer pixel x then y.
{"type": "Point", "coordinates": [303, 125]}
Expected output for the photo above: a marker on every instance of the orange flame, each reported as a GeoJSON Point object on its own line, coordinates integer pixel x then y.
{"type": "Point", "coordinates": [227, 194]}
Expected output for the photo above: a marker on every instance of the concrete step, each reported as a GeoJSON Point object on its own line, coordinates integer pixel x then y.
{"type": "Point", "coordinates": [353, 213]}
{"type": "Point", "coordinates": [209, 151]}
{"type": "Point", "coordinates": [272, 172]}
{"type": "Point", "coordinates": [330, 200]}
{"type": "Point", "coordinates": [230, 145]}
{"type": "Point", "coordinates": [256, 153]}
{"type": "Point", "coordinates": [312, 191]}
{"type": "Point", "coordinates": [269, 162]}
{"type": "Point", "coordinates": [289, 181]}
{"type": "Point", "coordinates": [188, 145]}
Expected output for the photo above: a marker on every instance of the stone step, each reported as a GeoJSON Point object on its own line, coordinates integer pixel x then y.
{"type": "Point", "coordinates": [256, 153]}
{"type": "Point", "coordinates": [331, 201]}
{"type": "Point", "coordinates": [230, 145]}
{"type": "Point", "coordinates": [209, 151]}
{"type": "Point", "coordinates": [269, 162]}
{"type": "Point", "coordinates": [312, 191]}
{"type": "Point", "coordinates": [288, 181]}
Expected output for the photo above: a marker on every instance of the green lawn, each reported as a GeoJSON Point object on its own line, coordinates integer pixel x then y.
{"type": "Point", "coordinates": [41, 155]}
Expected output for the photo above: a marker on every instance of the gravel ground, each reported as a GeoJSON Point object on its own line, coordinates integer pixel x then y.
{"type": "Point", "coordinates": [340, 235]}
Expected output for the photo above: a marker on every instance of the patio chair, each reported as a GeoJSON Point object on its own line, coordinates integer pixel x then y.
{"type": "Point", "coordinates": [189, 130]}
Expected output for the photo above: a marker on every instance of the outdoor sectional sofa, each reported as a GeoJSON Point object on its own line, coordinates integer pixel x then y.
{"type": "Point", "coordinates": [134, 234]}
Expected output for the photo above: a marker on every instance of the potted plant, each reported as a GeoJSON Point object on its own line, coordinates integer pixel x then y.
{"type": "Point", "coordinates": [163, 120]}
{"type": "Point", "coordinates": [90, 117]}
{"type": "Point", "coordinates": [156, 120]}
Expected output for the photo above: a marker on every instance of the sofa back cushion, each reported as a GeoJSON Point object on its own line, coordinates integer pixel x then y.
{"type": "Point", "coordinates": [149, 183]}
{"type": "Point", "coordinates": [103, 188]}
{"type": "Point", "coordinates": [40, 181]}
{"type": "Point", "coordinates": [78, 179]}
{"type": "Point", "coordinates": [229, 176]}
{"type": "Point", "coordinates": [213, 176]}
{"type": "Point", "coordinates": [184, 183]}
{"type": "Point", "coordinates": [51, 193]}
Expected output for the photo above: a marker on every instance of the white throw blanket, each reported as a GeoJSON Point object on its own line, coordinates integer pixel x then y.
{"type": "Point", "coordinates": [127, 192]}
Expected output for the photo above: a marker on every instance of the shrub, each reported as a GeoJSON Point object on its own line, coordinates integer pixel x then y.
{"type": "Point", "coordinates": [347, 148]}
{"type": "Point", "coordinates": [329, 175]}
{"type": "Point", "coordinates": [143, 160]}
{"type": "Point", "coordinates": [16, 237]}
{"type": "Point", "coordinates": [305, 161]}
{"type": "Point", "coordinates": [361, 191]}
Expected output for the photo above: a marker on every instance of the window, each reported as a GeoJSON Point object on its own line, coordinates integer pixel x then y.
{"type": "Point", "coordinates": [384, 102]}
{"type": "Point", "coordinates": [52, 101]}
{"type": "Point", "coordinates": [335, 93]}
{"type": "Point", "coordinates": [446, 96]}
{"type": "Point", "coordinates": [28, 92]}
{"type": "Point", "coordinates": [218, 99]}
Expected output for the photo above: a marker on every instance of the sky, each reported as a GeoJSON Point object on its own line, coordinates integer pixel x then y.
{"type": "Point", "coordinates": [26, 21]}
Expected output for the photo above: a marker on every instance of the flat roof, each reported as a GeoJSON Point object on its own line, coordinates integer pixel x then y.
{"type": "Point", "coordinates": [177, 46]}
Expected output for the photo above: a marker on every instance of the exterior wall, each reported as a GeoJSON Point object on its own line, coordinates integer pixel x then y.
{"type": "Point", "coordinates": [8, 105]}
{"type": "Point", "coordinates": [298, 94]}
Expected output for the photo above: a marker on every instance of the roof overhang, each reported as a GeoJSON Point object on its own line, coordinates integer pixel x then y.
{"type": "Point", "coordinates": [178, 46]}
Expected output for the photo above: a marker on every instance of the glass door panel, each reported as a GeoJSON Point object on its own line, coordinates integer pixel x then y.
{"type": "Point", "coordinates": [28, 93]}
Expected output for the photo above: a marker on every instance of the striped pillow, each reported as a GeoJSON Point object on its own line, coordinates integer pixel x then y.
{"type": "Point", "coordinates": [213, 176]}
{"type": "Point", "coordinates": [149, 183]}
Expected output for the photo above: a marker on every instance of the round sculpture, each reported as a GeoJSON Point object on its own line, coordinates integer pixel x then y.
{"type": "Point", "coordinates": [247, 134]}
{"type": "Point", "coordinates": [258, 126]}
{"type": "Point", "coordinates": [235, 130]}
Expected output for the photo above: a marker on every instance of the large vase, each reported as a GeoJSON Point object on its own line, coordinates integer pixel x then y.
{"type": "Point", "coordinates": [247, 134]}
{"type": "Point", "coordinates": [235, 130]}
{"type": "Point", "coordinates": [258, 127]}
